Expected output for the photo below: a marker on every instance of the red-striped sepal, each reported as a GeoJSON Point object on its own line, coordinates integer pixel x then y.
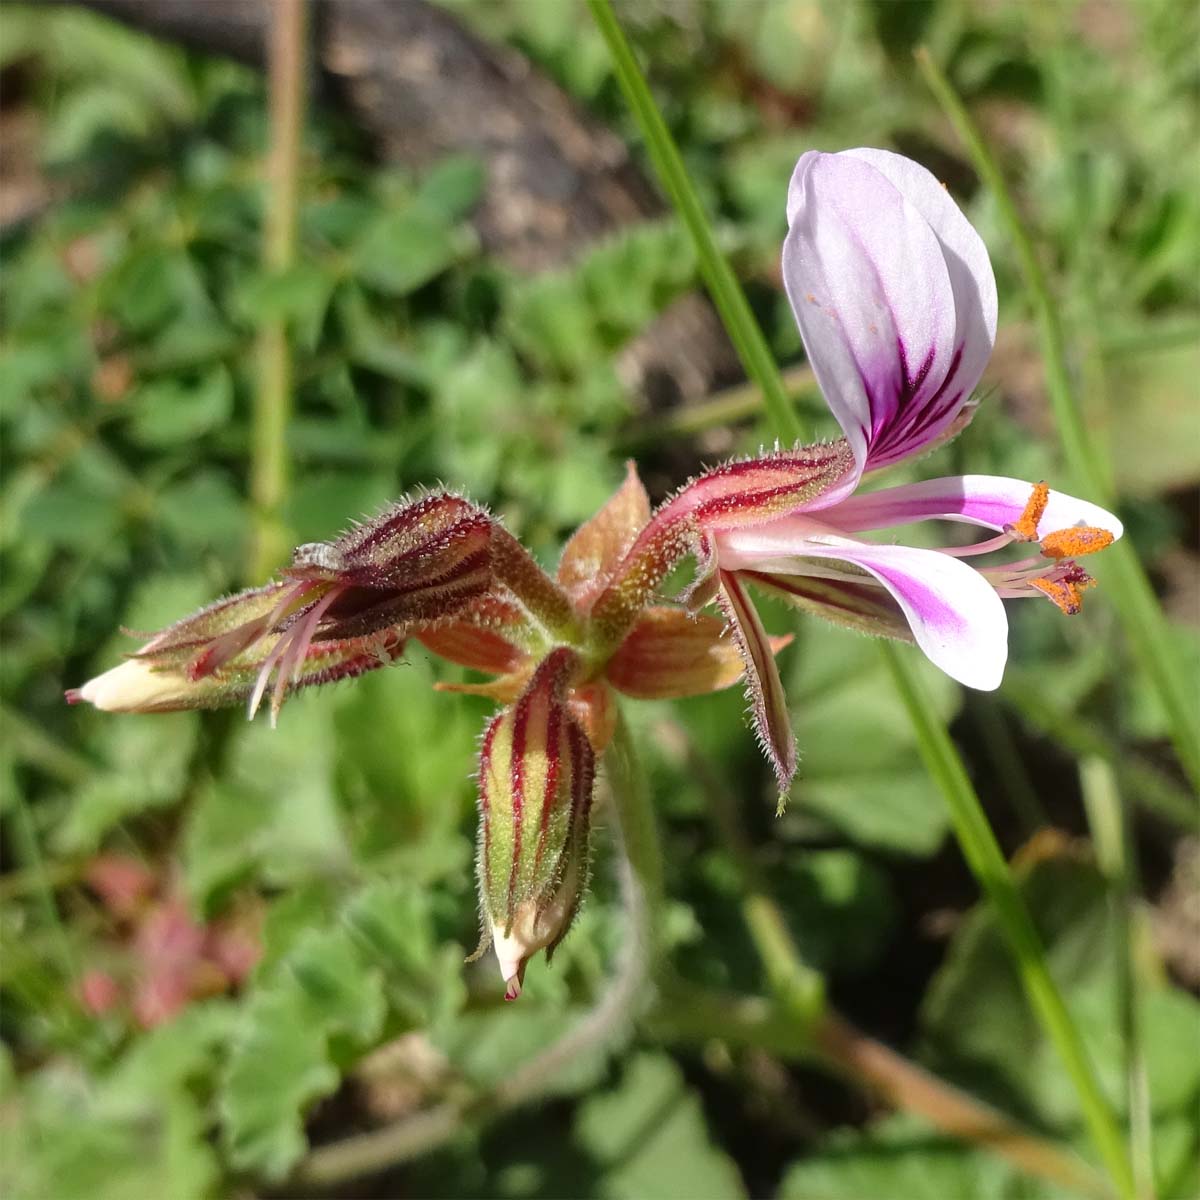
{"type": "Point", "coordinates": [146, 684]}
{"type": "Point", "coordinates": [536, 775]}
{"type": "Point", "coordinates": [768, 704]}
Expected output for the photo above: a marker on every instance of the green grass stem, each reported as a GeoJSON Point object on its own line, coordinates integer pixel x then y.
{"type": "Point", "coordinates": [269, 468]}
{"type": "Point", "coordinates": [723, 286]}
{"type": "Point", "coordinates": [987, 863]}
{"type": "Point", "coordinates": [1121, 571]}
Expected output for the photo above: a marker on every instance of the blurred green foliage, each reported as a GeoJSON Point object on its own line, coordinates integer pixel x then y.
{"type": "Point", "coordinates": [130, 306]}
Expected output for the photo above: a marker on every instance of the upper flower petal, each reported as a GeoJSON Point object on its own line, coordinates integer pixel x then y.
{"type": "Point", "coordinates": [955, 615]}
{"type": "Point", "coordinates": [990, 500]}
{"type": "Point", "coordinates": [894, 296]}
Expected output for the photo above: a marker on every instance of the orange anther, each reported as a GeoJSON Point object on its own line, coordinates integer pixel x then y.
{"type": "Point", "coordinates": [1075, 542]}
{"type": "Point", "coordinates": [1065, 593]}
{"type": "Point", "coordinates": [1024, 529]}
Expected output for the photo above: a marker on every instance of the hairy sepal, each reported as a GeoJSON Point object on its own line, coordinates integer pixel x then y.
{"type": "Point", "coordinates": [143, 685]}
{"type": "Point", "coordinates": [764, 689]}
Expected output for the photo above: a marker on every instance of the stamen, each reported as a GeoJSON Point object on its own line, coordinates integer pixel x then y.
{"type": "Point", "coordinates": [1024, 529]}
{"type": "Point", "coordinates": [997, 543]}
{"type": "Point", "coordinates": [1064, 587]}
{"type": "Point", "coordinates": [1076, 542]}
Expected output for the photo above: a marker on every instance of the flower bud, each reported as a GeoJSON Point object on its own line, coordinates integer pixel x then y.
{"type": "Point", "coordinates": [342, 608]}
{"type": "Point", "coordinates": [536, 775]}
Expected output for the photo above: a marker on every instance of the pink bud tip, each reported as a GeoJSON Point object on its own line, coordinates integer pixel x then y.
{"type": "Point", "coordinates": [73, 696]}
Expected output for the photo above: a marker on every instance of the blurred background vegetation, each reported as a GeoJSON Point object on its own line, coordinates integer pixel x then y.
{"type": "Point", "coordinates": [222, 944]}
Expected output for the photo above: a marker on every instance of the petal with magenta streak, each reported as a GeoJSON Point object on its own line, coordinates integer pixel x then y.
{"type": "Point", "coordinates": [955, 615]}
{"type": "Point", "coordinates": [975, 306]}
{"type": "Point", "coordinates": [989, 500]}
{"type": "Point", "coordinates": [872, 295]}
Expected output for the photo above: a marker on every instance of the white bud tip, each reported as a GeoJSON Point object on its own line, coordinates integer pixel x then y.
{"type": "Point", "coordinates": [131, 687]}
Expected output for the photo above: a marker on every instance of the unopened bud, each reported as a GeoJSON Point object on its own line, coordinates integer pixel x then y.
{"type": "Point", "coordinates": [536, 776]}
{"type": "Point", "coordinates": [344, 607]}
{"type": "Point", "coordinates": [418, 560]}
{"type": "Point", "coordinates": [135, 686]}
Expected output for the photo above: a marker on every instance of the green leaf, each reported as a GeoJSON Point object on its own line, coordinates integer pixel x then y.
{"type": "Point", "coordinates": [323, 503]}
{"type": "Point", "coordinates": [275, 813]}
{"type": "Point", "coordinates": [319, 1004]}
{"type": "Point", "coordinates": [405, 795]}
{"type": "Point", "coordinates": [278, 1065]}
{"type": "Point", "coordinates": [490, 1047]}
{"type": "Point", "coordinates": [900, 1157]}
{"type": "Point", "coordinates": [400, 251]}
{"type": "Point", "coordinates": [649, 1141]}
{"type": "Point", "coordinates": [204, 512]}
{"type": "Point", "coordinates": [135, 1130]}
{"type": "Point", "coordinates": [979, 1030]}
{"type": "Point", "coordinates": [859, 767]}
{"type": "Point", "coordinates": [451, 188]}
{"type": "Point", "coordinates": [148, 759]}
{"type": "Point", "coordinates": [1155, 420]}
{"type": "Point", "coordinates": [169, 412]}
{"type": "Point", "coordinates": [840, 906]}
{"type": "Point", "coordinates": [298, 295]}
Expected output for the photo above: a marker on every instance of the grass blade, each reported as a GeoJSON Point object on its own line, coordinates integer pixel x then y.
{"type": "Point", "coordinates": [723, 286]}
{"type": "Point", "coordinates": [1121, 572]}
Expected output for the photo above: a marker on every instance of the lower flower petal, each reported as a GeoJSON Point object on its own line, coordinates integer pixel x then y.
{"type": "Point", "coordinates": [955, 615]}
{"type": "Point", "coordinates": [990, 500]}
{"type": "Point", "coordinates": [858, 604]}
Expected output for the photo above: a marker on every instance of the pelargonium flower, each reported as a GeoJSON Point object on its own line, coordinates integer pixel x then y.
{"type": "Point", "coordinates": [896, 303]}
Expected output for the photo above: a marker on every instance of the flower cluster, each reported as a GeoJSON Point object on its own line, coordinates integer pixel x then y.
{"type": "Point", "coordinates": [896, 303]}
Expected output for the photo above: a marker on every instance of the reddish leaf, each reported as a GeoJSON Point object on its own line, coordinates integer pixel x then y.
{"type": "Point", "coordinates": [670, 653]}
{"type": "Point", "coordinates": [597, 547]}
